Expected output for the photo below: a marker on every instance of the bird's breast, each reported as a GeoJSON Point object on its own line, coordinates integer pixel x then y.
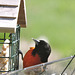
{"type": "Point", "coordinates": [30, 60]}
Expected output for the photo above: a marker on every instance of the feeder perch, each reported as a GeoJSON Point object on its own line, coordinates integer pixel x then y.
{"type": "Point", "coordinates": [12, 18]}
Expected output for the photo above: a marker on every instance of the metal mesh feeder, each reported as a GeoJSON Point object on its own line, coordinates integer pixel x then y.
{"type": "Point", "coordinates": [9, 51]}
{"type": "Point", "coordinates": [12, 14]}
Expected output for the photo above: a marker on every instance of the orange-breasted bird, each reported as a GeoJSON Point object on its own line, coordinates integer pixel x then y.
{"type": "Point", "coordinates": [38, 54]}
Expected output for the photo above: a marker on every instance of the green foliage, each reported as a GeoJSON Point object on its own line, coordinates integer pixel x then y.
{"type": "Point", "coordinates": [54, 19]}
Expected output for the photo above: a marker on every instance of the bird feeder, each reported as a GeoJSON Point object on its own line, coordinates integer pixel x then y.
{"type": "Point", "coordinates": [12, 18]}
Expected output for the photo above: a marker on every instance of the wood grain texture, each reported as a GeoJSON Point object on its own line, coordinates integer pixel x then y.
{"type": "Point", "coordinates": [22, 20]}
{"type": "Point", "coordinates": [8, 25]}
{"type": "Point", "coordinates": [12, 12]}
{"type": "Point", "coordinates": [8, 12]}
{"type": "Point", "coordinates": [9, 2]}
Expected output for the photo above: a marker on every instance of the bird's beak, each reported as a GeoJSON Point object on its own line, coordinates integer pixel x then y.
{"type": "Point", "coordinates": [36, 41]}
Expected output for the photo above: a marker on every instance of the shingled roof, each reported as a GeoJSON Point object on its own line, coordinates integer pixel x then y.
{"type": "Point", "coordinates": [12, 13]}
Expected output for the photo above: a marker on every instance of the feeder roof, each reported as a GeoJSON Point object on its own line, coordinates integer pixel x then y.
{"type": "Point", "coordinates": [12, 13]}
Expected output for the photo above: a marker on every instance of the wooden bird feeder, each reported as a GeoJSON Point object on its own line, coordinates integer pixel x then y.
{"type": "Point", "coordinates": [12, 13]}
{"type": "Point", "coordinates": [12, 17]}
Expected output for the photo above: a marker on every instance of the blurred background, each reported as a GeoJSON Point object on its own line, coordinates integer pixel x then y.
{"type": "Point", "coordinates": [53, 20]}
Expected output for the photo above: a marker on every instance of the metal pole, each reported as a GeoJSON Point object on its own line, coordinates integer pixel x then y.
{"type": "Point", "coordinates": [48, 63]}
{"type": "Point", "coordinates": [68, 64]}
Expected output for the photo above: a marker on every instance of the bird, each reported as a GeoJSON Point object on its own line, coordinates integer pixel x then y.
{"type": "Point", "coordinates": [38, 54]}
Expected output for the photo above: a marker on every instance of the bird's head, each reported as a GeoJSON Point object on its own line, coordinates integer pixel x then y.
{"type": "Point", "coordinates": [42, 48]}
